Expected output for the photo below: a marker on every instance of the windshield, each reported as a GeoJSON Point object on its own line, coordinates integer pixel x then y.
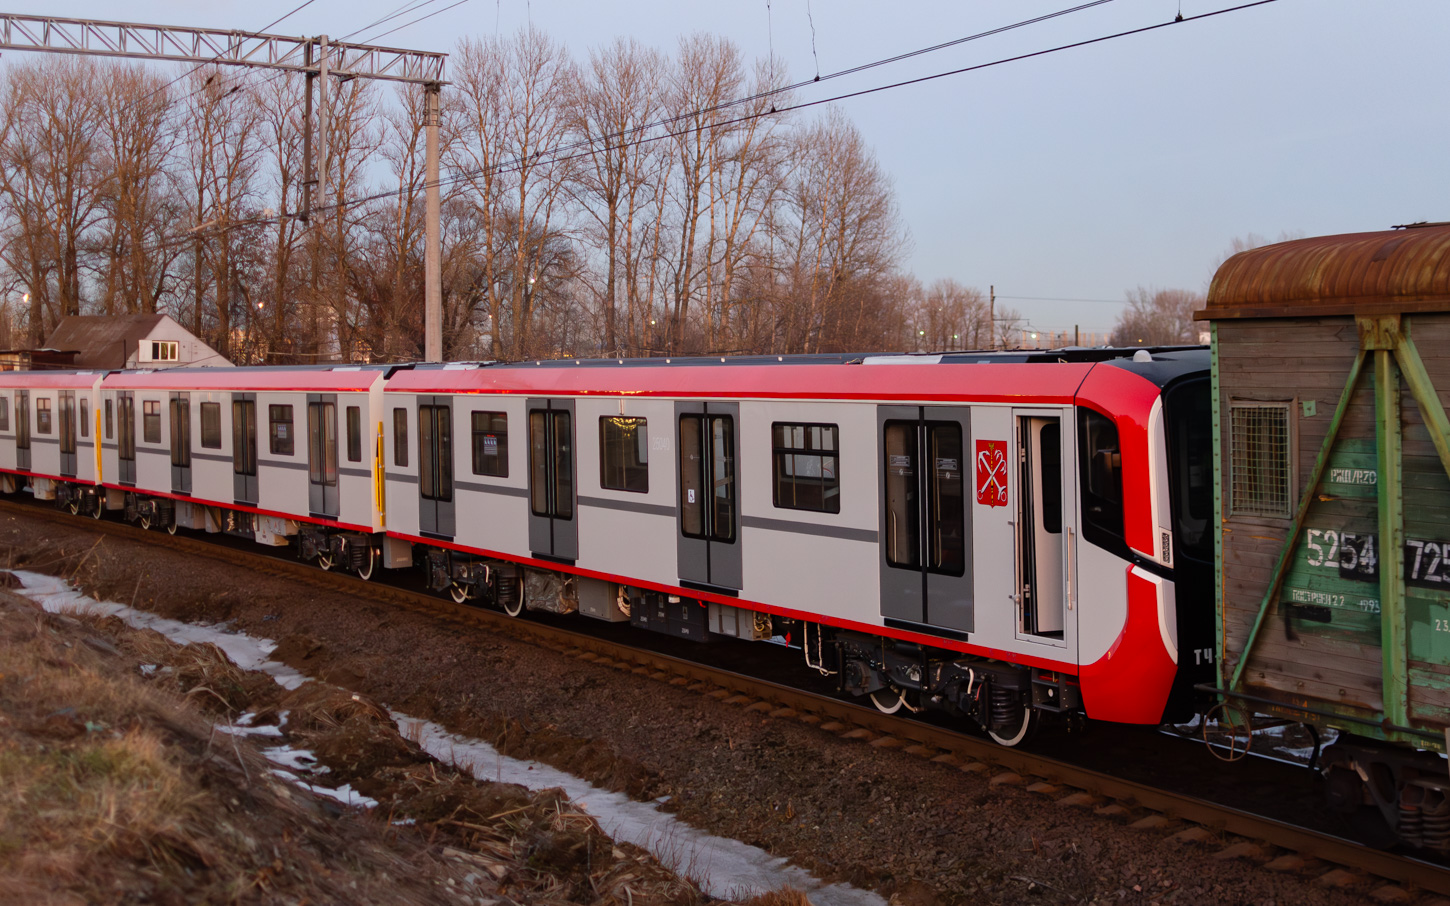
{"type": "Point", "coordinates": [1189, 415]}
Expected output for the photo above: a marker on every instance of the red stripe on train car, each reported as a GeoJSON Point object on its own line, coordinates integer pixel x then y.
{"type": "Point", "coordinates": [1004, 383]}
{"type": "Point", "coordinates": [1130, 684]}
{"type": "Point", "coordinates": [919, 638]}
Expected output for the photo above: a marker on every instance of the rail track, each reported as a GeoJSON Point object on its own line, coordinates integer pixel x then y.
{"type": "Point", "coordinates": [1061, 783]}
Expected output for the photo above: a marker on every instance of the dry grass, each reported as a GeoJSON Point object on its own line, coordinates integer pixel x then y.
{"type": "Point", "coordinates": [112, 782]}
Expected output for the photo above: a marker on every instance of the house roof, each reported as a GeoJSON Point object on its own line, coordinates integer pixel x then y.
{"type": "Point", "coordinates": [102, 341]}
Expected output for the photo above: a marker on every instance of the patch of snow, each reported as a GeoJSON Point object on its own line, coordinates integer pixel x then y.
{"type": "Point", "coordinates": [725, 868]}
{"type": "Point", "coordinates": [249, 653]}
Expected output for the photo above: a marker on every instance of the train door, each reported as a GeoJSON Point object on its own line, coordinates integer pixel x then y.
{"type": "Point", "coordinates": [22, 430]}
{"type": "Point", "coordinates": [244, 448]}
{"type": "Point", "coordinates": [435, 466]}
{"type": "Point", "coordinates": [709, 510]}
{"type": "Point", "coordinates": [126, 437]}
{"type": "Point", "coordinates": [553, 531]}
{"type": "Point", "coordinates": [322, 454]}
{"type": "Point", "coordinates": [67, 406]}
{"type": "Point", "coordinates": [1043, 535]}
{"type": "Point", "coordinates": [926, 530]}
{"type": "Point", "coordinates": [180, 406]}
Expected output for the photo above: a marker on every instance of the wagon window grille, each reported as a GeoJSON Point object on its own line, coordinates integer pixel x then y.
{"type": "Point", "coordinates": [1260, 459]}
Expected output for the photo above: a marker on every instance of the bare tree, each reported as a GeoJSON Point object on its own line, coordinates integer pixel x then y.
{"type": "Point", "coordinates": [280, 128]}
{"type": "Point", "coordinates": [846, 238]}
{"type": "Point", "coordinates": [137, 196]}
{"type": "Point", "coordinates": [51, 174]}
{"type": "Point", "coordinates": [1158, 317]}
{"type": "Point", "coordinates": [618, 95]}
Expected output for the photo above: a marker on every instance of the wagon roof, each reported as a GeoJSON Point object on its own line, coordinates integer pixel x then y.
{"type": "Point", "coordinates": [1401, 270]}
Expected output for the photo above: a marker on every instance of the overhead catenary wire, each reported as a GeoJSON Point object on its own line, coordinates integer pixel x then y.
{"type": "Point", "coordinates": [589, 146]}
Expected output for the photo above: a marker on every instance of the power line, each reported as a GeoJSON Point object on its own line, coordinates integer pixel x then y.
{"type": "Point", "coordinates": [556, 157]}
{"type": "Point", "coordinates": [1058, 299]}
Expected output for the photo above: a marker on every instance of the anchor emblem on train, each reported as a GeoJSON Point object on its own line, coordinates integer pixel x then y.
{"type": "Point", "coordinates": [992, 472]}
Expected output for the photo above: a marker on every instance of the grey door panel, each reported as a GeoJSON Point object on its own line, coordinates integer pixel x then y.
{"type": "Point", "coordinates": [553, 478]}
{"type": "Point", "coordinates": [924, 494]}
{"type": "Point", "coordinates": [711, 552]}
{"type": "Point", "coordinates": [437, 436]}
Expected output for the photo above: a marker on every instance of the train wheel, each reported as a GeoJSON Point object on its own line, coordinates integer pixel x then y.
{"type": "Point", "coordinates": [515, 606]}
{"type": "Point", "coordinates": [144, 520]}
{"type": "Point", "coordinates": [1020, 732]}
{"type": "Point", "coordinates": [460, 593]}
{"type": "Point", "coordinates": [171, 527]}
{"type": "Point", "coordinates": [887, 701]}
{"type": "Point", "coordinates": [73, 506]}
{"type": "Point", "coordinates": [365, 570]}
{"type": "Point", "coordinates": [324, 561]}
{"type": "Point", "coordinates": [99, 509]}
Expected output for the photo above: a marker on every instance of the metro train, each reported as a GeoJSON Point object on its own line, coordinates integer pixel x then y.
{"type": "Point", "coordinates": [1003, 536]}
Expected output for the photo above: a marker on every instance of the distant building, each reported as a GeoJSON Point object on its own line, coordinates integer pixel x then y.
{"type": "Point", "coordinates": [113, 342]}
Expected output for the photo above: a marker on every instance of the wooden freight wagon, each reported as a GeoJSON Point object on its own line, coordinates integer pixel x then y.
{"type": "Point", "coordinates": [1331, 370]}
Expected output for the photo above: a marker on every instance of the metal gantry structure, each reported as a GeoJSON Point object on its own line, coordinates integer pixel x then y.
{"type": "Point", "coordinates": [316, 57]}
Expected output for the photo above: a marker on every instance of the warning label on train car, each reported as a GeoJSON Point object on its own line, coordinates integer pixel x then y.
{"type": "Point", "coordinates": [992, 472]}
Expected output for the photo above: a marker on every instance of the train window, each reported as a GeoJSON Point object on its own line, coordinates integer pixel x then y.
{"type": "Point", "coordinates": [805, 467]}
{"type": "Point", "coordinates": [707, 477]}
{"type": "Point", "coordinates": [85, 417]}
{"type": "Point", "coordinates": [1050, 440]}
{"type": "Point", "coordinates": [903, 518]}
{"type": "Point", "coordinates": [623, 454]}
{"type": "Point", "coordinates": [946, 500]}
{"type": "Point", "coordinates": [354, 434]}
{"type": "Point", "coordinates": [126, 433]}
{"type": "Point", "coordinates": [4, 413]}
{"type": "Point", "coordinates": [279, 430]}
{"type": "Point", "coordinates": [181, 430]}
{"type": "Point", "coordinates": [322, 443]}
{"type": "Point", "coordinates": [551, 464]}
{"type": "Point", "coordinates": [67, 421]}
{"type": "Point", "coordinates": [435, 452]}
{"type": "Point", "coordinates": [491, 444]}
{"type": "Point", "coordinates": [211, 425]}
{"type": "Point", "coordinates": [400, 437]}
{"type": "Point", "coordinates": [151, 421]}
{"type": "Point", "coordinates": [22, 420]}
{"type": "Point", "coordinates": [110, 421]}
{"type": "Point", "coordinates": [1189, 408]}
{"type": "Point", "coordinates": [42, 416]}
{"type": "Point", "coordinates": [244, 437]}
{"type": "Point", "coordinates": [1260, 459]}
{"type": "Point", "coordinates": [1102, 479]}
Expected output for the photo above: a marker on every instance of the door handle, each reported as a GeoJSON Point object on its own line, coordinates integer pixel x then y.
{"type": "Point", "coordinates": [1071, 563]}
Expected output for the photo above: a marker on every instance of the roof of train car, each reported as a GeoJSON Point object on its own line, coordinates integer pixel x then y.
{"type": "Point", "coordinates": [49, 379]}
{"type": "Point", "coordinates": [310, 378]}
{"type": "Point", "coordinates": [1017, 376]}
{"type": "Point", "coordinates": [1400, 270]}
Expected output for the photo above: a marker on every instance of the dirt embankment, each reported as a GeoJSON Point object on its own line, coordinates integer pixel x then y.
{"type": "Point", "coordinates": [121, 785]}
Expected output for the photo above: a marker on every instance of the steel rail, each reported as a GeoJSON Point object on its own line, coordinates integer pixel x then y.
{"type": "Point", "coordinates": [832, 715]}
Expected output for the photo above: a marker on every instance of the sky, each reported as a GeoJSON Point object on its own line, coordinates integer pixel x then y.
{"type": "Point", "coordinates": [1064, 180]}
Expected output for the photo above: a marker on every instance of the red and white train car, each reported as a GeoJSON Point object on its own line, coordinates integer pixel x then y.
{"type": "Point", "coordinates": [994, 535]}
{"type": "Point", "coordinates": [48, 432]}
{"type": "Point", "coordinates": [987, 536]}
{"type": "Point", "coordinates": [271, 452]}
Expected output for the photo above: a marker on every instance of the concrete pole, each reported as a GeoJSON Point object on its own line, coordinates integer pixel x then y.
{"type": "Point", "coordinates": [432, 251]}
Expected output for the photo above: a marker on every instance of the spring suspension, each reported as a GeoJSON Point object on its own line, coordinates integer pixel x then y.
{"type": "Point", "coordinates": [1006, 706]}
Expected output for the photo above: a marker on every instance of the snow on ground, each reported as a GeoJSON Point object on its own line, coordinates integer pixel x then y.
{"type": "Point", "coordinates": [723, 867]}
